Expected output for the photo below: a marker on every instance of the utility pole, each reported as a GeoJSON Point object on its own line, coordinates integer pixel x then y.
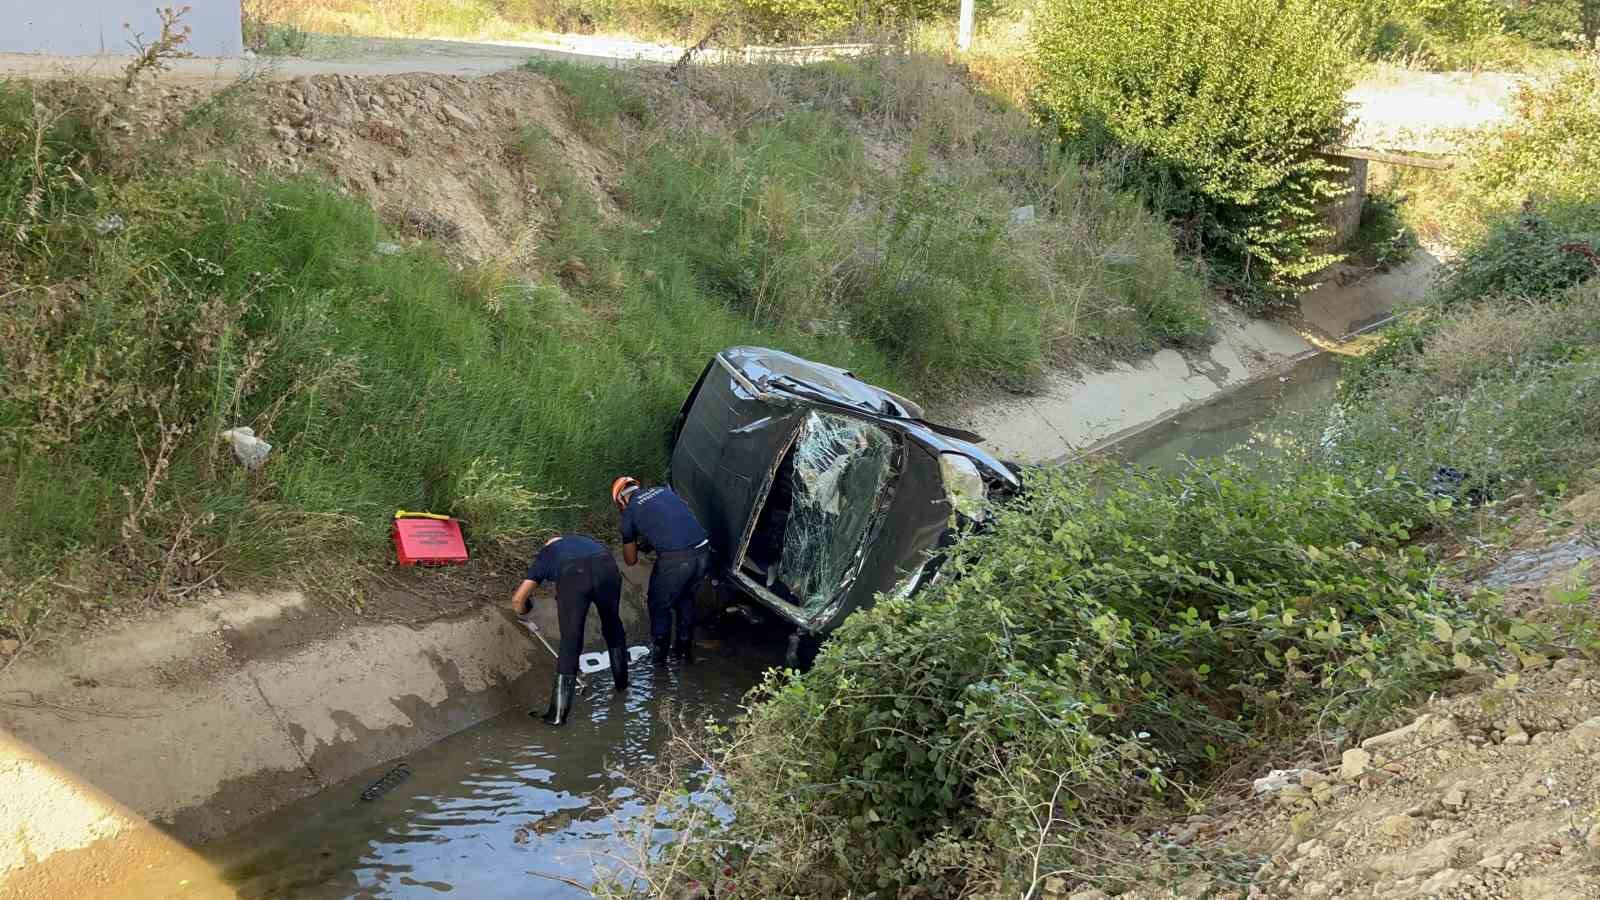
{"type": "Point", "coordinates": [964, 30]}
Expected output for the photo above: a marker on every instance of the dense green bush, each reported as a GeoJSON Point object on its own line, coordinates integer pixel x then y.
{"type": "Point", "coordinates": [1459, 20]}
{"type": "Point", "coordinates": [1219, 109]}
{"type": "Point", "coordinates": [1115, 636]}
{"type": "Point", "coordinates": [1551, 23]}
{"type": "Point", "coordinates": [1533, 256]}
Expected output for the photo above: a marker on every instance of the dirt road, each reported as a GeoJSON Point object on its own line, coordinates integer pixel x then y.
{"type": "Point", "coordinates": [403, 56]}
{"type": "Point", "coordinates": [1397, 110]}
{"type": "Point", "coordinates": [353, 57]}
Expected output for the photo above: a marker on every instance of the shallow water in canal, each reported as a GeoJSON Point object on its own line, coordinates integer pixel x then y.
{"type": "Point", "coordinates": [512, 808]}
{"type": "Point", "coordinates": [508, 808]}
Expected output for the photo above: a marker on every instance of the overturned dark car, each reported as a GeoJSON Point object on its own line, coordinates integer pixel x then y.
{"type": "Point", "coordinates": [820, 491]}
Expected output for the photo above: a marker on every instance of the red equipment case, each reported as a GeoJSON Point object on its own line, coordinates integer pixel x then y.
{"type": "Point", "coordinates": [426, 539]}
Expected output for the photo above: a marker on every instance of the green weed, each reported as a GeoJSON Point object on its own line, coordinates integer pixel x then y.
{"type": "Point", "coordinates": [1503, 391]}
{"type": "Point", "coordinates": [595, 97]}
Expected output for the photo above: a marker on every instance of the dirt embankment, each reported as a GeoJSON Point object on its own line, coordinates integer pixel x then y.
{"type": "Point", "coordinates": [1491, 790]}
{"type": "Point", "coordinates": [436, 154]}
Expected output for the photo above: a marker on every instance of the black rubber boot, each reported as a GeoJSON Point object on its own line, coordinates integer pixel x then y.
{"type": "Point", "coordinates": [661, 647]}
{"type": "Point", "coordinates": [684, 651]}
{"type": "Point", "coordinates": [619, 667]}
{"type": "Point", "coordinates": [560, 700]}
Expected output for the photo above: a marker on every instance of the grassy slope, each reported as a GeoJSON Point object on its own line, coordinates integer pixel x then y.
{"type": "Point", "coordinates": [153, 303]}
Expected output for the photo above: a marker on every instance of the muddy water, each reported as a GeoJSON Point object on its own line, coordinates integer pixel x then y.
{"type": "Point", "coordinates": [1236, 419]}
{"type": "Point", "coordinates": [509, 808]}
{"type": "Point", "coordinates": [513, 808]}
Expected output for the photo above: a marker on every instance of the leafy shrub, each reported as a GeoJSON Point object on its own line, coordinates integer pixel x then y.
{"type": "Point", "coordinates": [1220, 109]}
{"type": "Point", "coordinates": [1536, 256]}
{"type": "Point", "coordinates": [1459, 21]}
{"type": "Point", "coordinates": [1115, 636]}
{"type": "Point", "coordinates": [1546, 154]}
{"type": "Point", "coordinates": [1382, 238]}
{"type": "Point", "coordinates": [1526, 206]}
{"type": "Point", "coordinates": [1549, 23]}
{"type": "Point", "coordinates": [1461, 34]}
{"type": "Point", "coordinates": [1551, 149]}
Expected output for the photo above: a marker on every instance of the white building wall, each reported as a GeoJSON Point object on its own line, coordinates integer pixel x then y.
{"type": "Point", "coordinates": [79, 27]}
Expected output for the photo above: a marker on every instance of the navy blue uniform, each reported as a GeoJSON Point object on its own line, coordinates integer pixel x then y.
{"type": "Point", "coordinates": [662, 519]}
{"type": "Point", "coordinates": [658, 518]}
{"type": "Point", "coordinates": [583, 572]}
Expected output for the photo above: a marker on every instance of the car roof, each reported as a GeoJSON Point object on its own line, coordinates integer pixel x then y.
{"type": "Point", "coordinates": [771, 369]}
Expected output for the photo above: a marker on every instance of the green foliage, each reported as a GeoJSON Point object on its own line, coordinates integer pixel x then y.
{"type": "Point", "coordinates": [48, 141]}
{"type": "Point", "coordinates": [597, 100]}
{"type": "Point", "coordinates": [1534, 256]}
{"type": "Point", "coordinates": [1219, 110]}
{"type": "Point", "coordinates": [383, 382]}
{"type": "Point", "coordinates": [1382, 238]}
{"type": "Point", "coordinates": [1551, 150]}
{"type": "Point", "coordinates": [1526, 206]}
{"type": "Point", "coordinates": [1459, 20]}
{"type": "Point", "coordinates": [789, 224]}
{"type": "Point", "coordinates": [1549, 23]}
{"type": "Point", "coordinates": [1401, 343]}
{"type": "Point", "coordinates": [1114, 636]}
{"type": "Point", "coordinates": [268, 31]}
{"type": "Point", "coordinates": [1494, 375]}
{"type": "Point", "coordinates": [1504, 391]}
{"type": "Point", "coordinates": [1462, 34]}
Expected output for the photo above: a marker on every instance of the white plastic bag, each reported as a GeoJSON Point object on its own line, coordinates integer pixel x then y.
{"type": "Point", "coordinates": [590, 663]}
{"type": "Point", "coordinates": [251, 450]}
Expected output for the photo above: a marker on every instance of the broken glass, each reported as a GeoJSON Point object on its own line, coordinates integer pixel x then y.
{"type": "Point", "coordinates": [841, 468]}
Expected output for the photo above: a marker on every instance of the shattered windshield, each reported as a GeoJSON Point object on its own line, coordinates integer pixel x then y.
{"type": "Point", "coordinates": [840, 469]}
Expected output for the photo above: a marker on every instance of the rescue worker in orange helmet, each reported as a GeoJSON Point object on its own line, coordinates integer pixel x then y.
{"type": "Point", "coordinates": [659, 519]}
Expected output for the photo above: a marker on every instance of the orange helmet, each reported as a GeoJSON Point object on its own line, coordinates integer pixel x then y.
{"type": "Point", "coordinates": [622, 487]}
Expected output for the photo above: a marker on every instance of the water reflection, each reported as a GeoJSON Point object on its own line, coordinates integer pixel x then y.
{"type": "Point", "coordinates": [1238, 418]}
{"type": "Point", "coordinates": [509, 808]}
